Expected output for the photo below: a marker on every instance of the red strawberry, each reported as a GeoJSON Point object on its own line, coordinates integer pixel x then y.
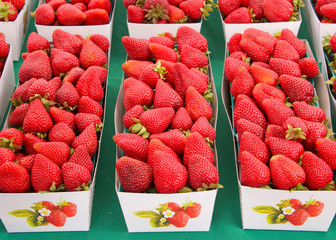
{"type": "Point", "coordinates": [56, 82]}
{"type": "Point", "coordinates": [176, 15]}
{"type": "Point", "coordinates": [201, 74]}
{"type": "Point", "coordinates": [4, 50]}
{"type": "Point", "coordinates": [242, 83]}
{"type": "Point", "coordinates": [203, 127]}
{"type": "Point", "coordinates": [6, 155]}
{"type": "Point", "coordinates": [88, 105]}
{"type": "Point", "coordinates": [193, 209]}
{"type": "Point", "coordinates": [67, 42]}
{"type": "Point", "coordinates": [85, 2]}
{"type": "Point", "coordinates": [278, 11]}
{"type": "Point", "coordinates": [82, 157]}
{"type": "Point", "coordinates": [88, 137]}
{"type": "Point", "coordinates": [56, 3]}
{"type": "Point", "coordinates": [308, 112]}
{"type": "Point", "coordinates": [262, 38]}
{"type": "Point", "coordinates": [45, 174]}
{"type": "Point", "coordinates": [73, 75]}
{"type": "Point", "coordinates": [240, 55]}
{"type": "Point", "coordinates": [295, 128]}
{"type": "Point", "coordinates": [59, 115]}
{"type": "Point", "coordinates": [37, 118]}
{"type": "Point", "coordinates": [152, 74]}
{"type": "Point", "coordinates": [156, 146]}
{"type": "Point", "coordinates": [174, 139]}
{"type": "Point", "coordinates": [298, 218]}
{"type": "Point", "coordinates": [181, 120]}
{"type": "Point", "coordinates": [228, 6]}
{"type": "Point", "coordinates": [196, 144]}
{"type": "Point", "coordinates": [67, 95]}
{"type": "Point", "coordinates": [289, 36]}
{"type": "Point", "coordinates": [37, 42]}
{"type": "Point", "coordinates": [45, 15]}
{"type": "Point", "coordinates": [297, 89]}
{"type": "Point", "coordinates": [231, 66]}
{"type": "Point", "coordinates": [257, 52]}
{"type": "Point", "coordinates": [128, 3]}
{"type": "Point", "coordinates": [285, 50]}
{"type": "Point", "coordinates": [14, 178]}
{"type": "Point", "coordinates": [170, 74]}
{"type": "Point", "coordinates": [90, 86]}
{"type": "Point", "coordinates": [265, 65]}
{"type": "Point", "coordinates": [27, 162]}
{"type": "Point", "coordinates": [245, 108]}
{"type": "Point", "coordinates": [192, 57]}
{"type": "Point", "coordinates": [286, 174]}
{"type": "Point", "coordinates": [19, 156]}
{"type": "Point", "coordinates": [288, 148]}
{"type": "Point", "coordinates": [169, 176]}
{"type": "Point", "coordinates": [43, 88]}
{"type": "Point", "coordinates": [85, 119]}
{"type": "Point", "coordinates": [253, 172]}
{"type": "Point", "coordinates": [9, 12]}
{"type": "Point", "coordinates": [274, 131]}
{"type": "Point", "coordinates": [18, 4]}
{"type": "Point", "coordinates": [137, 49]}
{"type": "Point", "coordinates": [135, 14]}
{"type": "Point", "coordinates": [309, 67]}
{"type": "Point", "coordinates": [276, 111]}
{"type": "Point", "coordinates": [316, 130]}
{"type": "Point", "coordinates": [133, 113]}
{"type": "Point", "coordinates": [325, 150]}
{"type": "Point", "coordinates": [161, 52]}
{"type": "Point", "coordinates": [75, 177]}
{"type": "Point", "coordinates": [252, 144]}
{"type": "Point", "coordinates": [263, 91]}
{"type": "Point", "coordinates": [165, 96]}
{"type": "Point", "coordinates": [195, 9]}
{"type": "Point", "coordinates": [163, 41]}
{"type": "Point", "coordinates": [196, 105]}
{"type": "Point", "coordinates": [101, 41]}
{"type": "Point", "coordinates": [11, 138]}
{"type": "Point", "coordinates": [69, 208]}
{"type": "Point", "coordinates": [56, 218]}
{"type": "Point", "coordinates": [263, 75]}
{"type": "Point", "coordinates": [244, 125]}
{"type": "Point", "coordinates": [91, 55]}
{"type": "Point", "coordinates": [233, 44]}
{"type": "Point", "coordinates": [240, 15]}
{"type": "Point", "coordinates": [61, 132]}
{"type": "Point", "coordinates": [36, 65]}
{"type": "Point", "coordinates": [257, 8]}
{"type": "Point", "coordinates": [45, 204]}
{"type": "Point", "coordinates": [314, 208]}
{"type": "Point", "coordinates": [101, 4]}
{"type": "Point", "coordinates": [20, 94]}
{"type": "Point", "coordinates": [69, 15]}
{"type": "Point", "coordinates": [96, 17]}
{"type": "Point", "coordinates": [134, 68]}
{"type": "Point", "coordinates": [283, 66]}
{"type": "Point", "coordinates": [328, 10]}
{"type": "Point", "coordinates": [187, 35]}
{"type": "Point", "coordinates": [179, 219]}
{"type": "Point", "coordinates": [29, 140]}
{"type": "Point", "coordinates": [57, 152]}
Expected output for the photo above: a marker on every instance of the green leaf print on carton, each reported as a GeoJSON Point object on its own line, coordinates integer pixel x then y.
{"type": "Point", "coordinates": [291, 210]}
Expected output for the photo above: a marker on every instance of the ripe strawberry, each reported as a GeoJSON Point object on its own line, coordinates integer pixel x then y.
{"type": "Point", "coordinates": [295, 128]}
{"type": "Point", "coordinates": [325, 149]}
{"type": "Point", "coordinates": [265, 65]}
{"type": "Point", "coordinates": [37, 42]}
{"type": "Point", "coordinates": [283, 66]}
{"type": "Point", "coordinates": [181, 120]}
{"type": "Point", "coordinates": [246, 108]}
{"type": "Point", "coordinates": [298, 218]}
{"type": "Point", "coordinates": [171, 75]}
{"type": "Point", "coordinates": [165, 96]}
{"type": "Point", "coordinates": [56, 218]}
{"type": "Point", "coordinates": [257, 8]}
{"type": "Point", "coordinates": [163, 41]}
{"type": "Point", "coordinates": [201, 74]}
{"type": "Point", "coordinates": [69, 208]}
{"type": "Point", "coordinates": [196, 144]}
{"type": "Point", "coordinates": [288, 148]}
{"type": "Point", "coordinates": [240, 55]}
{"type": "Point", "coordinates": [62, 116]}
{"type": "Point", "coordinates": [90, 86]}
{"type": "Point", "coordinates": [254, 145]}
{"type": "Point", "coordinates": [263, 91]}
{"type": "Point", "coordinates": [192, 57]}
{"type": "Point", "coordinates": [278, 11]}
{"type": "Point", "coordinates": [232, 65]}
{"type": "Point", "coordinates": [42, 88]}
{"type": "Point", "coordinates": [203, 127]}
{"type": "Point", "coordinates": [290, 37]}
{"type": "Point", "coordinates": [66, 42]}
{"type": "Point", "coordinates": [253, 172]}
{"type": "Point", "coordinates": [29, 140]}
{"type": "Point", "coordinates": [6, 155]}
{"type": "Point", "coordinates": [308, 112]}
{"type": "Point", "coordinates": [57, 152]}
{"type": "Point", "coordinates": [285, 50]}
{"type": "Point", "coordinates": [137, 49]}
{"type": "Point", "coordinates": [187, 35]}
{"type": "Point", "coordinates": [96, 17]}
{"type": "Point", "coordinates": [314, 208]}
{"type": "Point", "coordinates": [316, 130]}
{"type": "Point", "coordinates": [180, 219]}
{"type": "Point", "coordinates": [19, 156]}
{"type": "Point", "coordinates": [242, 83]}
{"type": "Point", "coordinates": [228, 6]}
{"type": "Point", "coordinates": [101, 41]}
{"type": "Point", "coordinates": [101, 4]}
{"type": "Point", "coordinates": [286, 174]}
{"type": "Point", "coordinates": [85, 119]}
{"type": "Point", "coordinates": [233, 44]}
{"type": "Point", "coordinates": [196, 105]}
{"type": "Point", "coordinates": [20, 94]}
{"type": "Point", "coordinates": [88, 137]}
{"type": "Point", "coordinates": [128, 3]}
{"type": "Point", "coordinates": [45, 173]}
{"type": "Point", "coordinates": [328, 11]}
{"type": "Point", "coordinates": [69, 15]}
{"type": "Point", "coordinates": [85, 2]}
{"type": "Point", "coordinates": [75, 177]}
{"type": "Point", "coordinates": [37, 118]}
{"type": "Point", "coordinates": [36, 65]}
{"type": "Point", "coordinates": [73, 75]}
{"type": "Point", "coordinates": [195, 9]}
{"type": "Point", "coordinates": [14, 178]}
{"type": "Point", "coordinates": [56, 82]}
{"type": "Point", "coordinates": [149, 3]}
{"type": "Point", "coordinates": [133, 113]}
{"type": "Point", "coordinates": [263, 75]}
{"type": "Point", "coordinates": [27, 162]}
{"type": "Point", "coordinates": [193, 209]}
{"type": "Point", "coordinates": [240, 15]}
{"type": "Point", "coordinates": [169, 176]}
{"type": "Point", "coordinates": [156, 146]}
{"type": "Point", "coordinates": [88, 105]}
{"type": "Point", "coordinates": [91, 55]}
{"type": "Point", "coordinates": [244, 125]}
{"type": "Point", "coordinates": [135, 14]}
{"type": "Point", "coordinates": [174, 139]}
{"type": "Point", "coordinates": [308, 67]}
{"type": "Point", "coordinates": [45, 15]}
{"type": "Point", "coordinates": [82, 157]}
{"type": "Point", "coordinates": [18, 4]}
{"type": "Point", "coordinates": [11, 138]}
{"type": "Point", "coordinates": [9, 12]}
{"type": "Point", "coordinates": [67, 95]}
{"type": "Point", "coordinates": [274, 131]}
{"type": "Point", "coordinates": [152, 74]}
{"type": "Point", "coordinates": [276, 111]}
{"type": "Point", "coordinates": [134, 68]}
{"type": "Point", "coordinates": [161, 52]}
{"type": "Point", "coordinates": [56, 3]}
{"type": "Point", "coordinates": [61, 132]}
{"type": "Point", "coordinates": [257, 52]}
{"type": "Point", "coordinates": [296, 88]}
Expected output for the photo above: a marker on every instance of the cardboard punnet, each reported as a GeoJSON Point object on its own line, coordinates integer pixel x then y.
{"type": "Point", "coordinates": [83, 30]}
{"type": "Point", "coordinates": [147, 30]}
{"type": "Point", "coordinates": [270, 27]}
{"type": "Point", "coordinates": [15, 32]}
{"type": "Point", "coordinates": [254, 197]}
{"type": "Point", "coordinates": [134, 202]}
{"type": "Point", "coordinates": [7, 84]}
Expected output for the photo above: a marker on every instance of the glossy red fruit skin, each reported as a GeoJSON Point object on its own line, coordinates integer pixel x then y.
{"type": "Point", "coordinates": [137, 49]}
{"type": "Point", "coordinates": [296, 123]}
{"type": "Point", "coordinates": [180, 219]}
{"type": "Point", "coordinates": [244, 125]}
{"type": "Point", "coordinates": [165, 96]}
{"type": "Point", "coordinates": [233, 44]}
{"type": "Point", "coordinates": [203, 126]}
{"type": "Point", "coordinates": [75, 175]}
{"type": "Point", "coordinates": [81, 157]}
{"type": "Point", "coordinates": [91, 55]}
{"type": "Point", "coordinates": [194, 211]}
{"type": "Point", "coordinates": [289, 36]}
{"type": "Point", "coordinates": [193, 57]}
{"type": "Point", "coordinates": [56, 218]}
{"type": "Point", "coordinates": [135, 14]}
{"type": "Point", "coordinates": [314, 210]}
{"type": "Point", "coordinates": [181, 120]}
{"type": "Point", "coordinates": [157, 120]}
{"type": "Point", "coordinates": [326, 150]}
{"type": "Point", "coordinates": [69, 15]}
{"type": "Point", "coordinates": [187, 35]}
{"type": "Point", "coordinates": [285, 50]}
{"type": "Point", "coordinates": [61, 132]}
{"type": "Point", "coordinates": [308, 112]}
{"type": "Point", "coordinates": [67, 42]}
{"type": "Point", "coordinates": [289, 148]}
{"type": "Point", "coordinates": [174, 139]}
{"type": "Point", "coordinates": [309, 67]}
{"type": "Point", "coordinates": [196, 105]}
{"type": "Point", "coordinates": [243, 83]}
{"type": "Point", "coordinates": [45, 15]}
{"type": "Point", "coordinates": [17, 116]}
{"type": "Point", "coordinates": [14, 178]}
{"type": "Point", "coordinates": [263, 91]}
{"type": "Point", "coordinates": [37, 42]}
{"type": "Point", "coordinates": [37, 118]}
{"type": "Point", "coordinates": [254, 145]}
{"type": "Point", "coordinates": [57, 152]}
{"type": "Point", "coordinates": [83, 120]}
{"type": "Point", "coordinates": [276, 111]}
{"type": "Point", "coordinates": [278, 11]}
{"type": "Point", "coordinates": [59, 115]}
{"type": "Point", "coordinates": [240, 15]}
{"type": "Point", "coordinates": [70, 209]}
{"type": "Point", "coordinates": [298, 218]}
{"type": "Point", "coordinates": [156, 146]}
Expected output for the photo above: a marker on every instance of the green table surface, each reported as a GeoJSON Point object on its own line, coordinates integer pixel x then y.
{"type": "Point", "coordinates": [107, 219]}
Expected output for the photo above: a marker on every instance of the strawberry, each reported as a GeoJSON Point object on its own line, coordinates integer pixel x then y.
{"type": "Point", "coordinates": [56, 218]}
{"type": "Point", "coordinates": [73, 75]}
{"type": "Point", "coordinates": [88, 105]}
{"type": "Point", "coordinates": [169, 176]}
{"type": "Point", "coordinates": [37, 42]}
{"type": "Point", "coordinates": [19, 156]}
{"type": "Point", "coordinates": [69, 15]}
{"type": "Point", "coordinates": [196, 105]}
{"type": "Point", "coordinates": [295, 128]}
{"type": "Point", "coordinates": [240, 55]}
{"type": "Point", "coordinates": [4, 49]}
{"type": "Point", "coordinates": [288, 148]}
{"type": "Point", "coordinates": [135, 14]}
{"type": "Point", "coordinates": [255, 51]}
{"type": "Point", "coordinates": [69, 208]}
{"type": "Point", "coordinates": [195, 9]}
{"type": "Point", "coordinates": [101, 41]}
{"type": "Point", "coordinates": [325, 149]}
{"type": "Point", "coordinates": [75, 177]}
{"type": "Point", "coordinates": [329, 10]}
{"type": "Point", "coordinates": [96, 72]}
{"type": "Point", "coordinates": [308, 67]}
{"type": "Point", "coordinates": [27, 162]}
{"type": "Point", "coordinates": [6, 155]}
{"type": "Point", "coordinates": [228, 6]}
{"type": "Point", "coordinates": [274, 131]}
{"type": "Point", "coordinates": [14, 178]}
{"type": "Point", "coordinates": [179, 219]}
{"type": "Point", "coordinates": [175, 2]}
{"type": "Point", "coordinates": [62, 116]}
{"type": "Point", "coordinates": [187, 35]}
{"type": "Point", "coordinates": [201, 74]}
{"type": "Point", "coordinates": [252, 144]}
{"type": "Point", "coordinates": [149, 3]}
{"type": "Point", "coordinates": [233, 44]}
{"type": "Point", "coordinates": [37, 118]}
{"type": "Point", "coordinates": [263, 91]}
{"type": "Point", "coordinates": [286, 174]}
{"type": "Point", "coordinates": [137, 93]}
{"type": "Point", "coordinates": [45, 14]}
{"type": "Point", "coordinates": [133, 113]}
{"type": "Point", "coordinates": [91, 55]}
{"type": "Point", "coordinates": [192, 57]}
{"type": "Point", "coordinates": [67, 95]}
{"type": "Point", "coordinates": [176, 15]}
{"type": "Point", "coordinates": [9, 12]}
{"type": "Point", "coordinates": [278, 11]}
{"type": "Point", "coordinates": [246, 108]}
{"type": "Point", "coordinates": [201, 171]}
{"type": "Point", "coordinates": [57, 152]}
{"type": "Point", "coordinates": [134, 68]}
{"type": "Point", "coordinates": [36, 65]}
{"type": "Point", "coordinates": [298, 218]}
{"type": "Point", "coordinates": [193, 209]}
{"type": "Point", "coordinates": [96, 17]}
{"type": "Point", "coordinates": [61, 132]}
{"type": "Point", "coordinates": [196, 144]}
{"type": "Point", "coordinates": [253, 172]}
{"type": "Point", "coordinates": [203, 127]}
{"type": "Point", "coordinates": [263, 75]}
{"type": "Point", "coordinates": [262, 64]}
{"type": "Point", "coordinates": [316, 130]}
{"type": "Point", "coordinates": [257, 8]}
{"type": "Point", "coordinates": [29, 140]}
{"type": "Point", "coordinates": [242, 83]}
{"type": "Point", "coordinates": [18, 4]}
{"type": "Point", "coordinates": [308, 112]}
{"type": "Point", "coordinates": [56, 82]}
{"type": "Point", "coordinates": [45, 174]}
{"type": "Point", "coordinates": [56, 3]}
{"type": "Point", "coordinates": [11, 138]}
{"type": "Point", "coordinates": [42, 88]}
{"type": "Point", "coordinates": [181, 120]}
{"type": "Point", "coordinates": [261, 38]}
{"type": "Point", "coordinates": [156, 146]}
{"type": "Point", "coordinates": [290, 37]}
{"type": "Point", "coordinates": [166, 97]}
{"type": "Point", "coordinates": [66, 42]}
{"type": "Point", "coordinates": [161, 52]}
{"type": "Point", "coordinates": [240, 15]}
{"type": "Point", "coordinates": [314, 208]}
{"type": "Point", "coordinates": [231, 66]}
{"type": "Point", "coordinates": [88, 137]}
{"type": "Point", "coordinates": [85, 119]}
{"type": "Point", "coordinates": [152, 74]}
{"type": "Point", "coordinates": [128, 3]}
{"type": "Point", "coordinates": [101, 4]}
{"type": "Point", "coordinates": [82, 157]}
{"type": "Point", "coordinates": [296, 88]}
{"type": "Point", "coordinates": [137, 49]}
{"type": "Point", "coordinates": [276, 111]}
{"type": "Point", "coordinates": [244, 125]}
{"type": "Point", "coordinates": [174, 139]}
{"type": "Point", "coordinates": [90, 86]}
{"type": "Point", "coordinates": [45, 204]}
{"type": "Point", "coordinates": [285, 50]}
{"type": "Point", "coordinates": [283, 66]}
{"type": "Point", "coordinates": [85, 2]}
{"type": "Point", "coordinates": [163, 41]}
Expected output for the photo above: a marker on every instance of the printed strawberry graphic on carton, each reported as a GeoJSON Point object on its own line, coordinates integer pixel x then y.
{"type": "Point", "coordinates": [171, 213]}
{"type": "Point", "coordinates": [45, 212]}
{"type": "Point", "coordinates": [291, 210]}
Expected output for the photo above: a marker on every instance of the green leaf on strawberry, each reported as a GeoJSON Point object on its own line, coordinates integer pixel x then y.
{"type": "Point", "coordinates": [147, 214]}
{"type": "Point", "coordinates": [276, 218]}
{"type": "Point", "coordinates": [159, 221]}
{"type": "Point", "coordinates": [36, 221]}
{"type": "Point", "coordinates": [266, 210]}
{"type": "Point", "coordinates": [23, 213]}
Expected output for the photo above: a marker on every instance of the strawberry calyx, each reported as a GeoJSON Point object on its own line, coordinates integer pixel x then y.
{"type": "Point", "coordinates": [208, 95]}
{"type": "Point", "coordinates": [186, 189]}
{"type": "Point", "coordinates": [156, 13]}
{"type": "Point", "coordinates": [139, 129]}
{"type": "Point", "coordinates": [9, 144]}
{"type": "Point", "coordinates": [32, 14]}
{"type": "Point", "coordinates": [99, 127]}
{"type": "Point", "coordinates": [188, 204]}
{"type": "Point", "coordinates": [16, 102]}
{"type": "Point", "coordinates": [160, 69]}
{"type": "Point", "coordinates": [294, 133]}
{"type": "Point", "coordinates": [330, 81]}
{"type": "Point", "coordinates": [326, 43]}
{"type": "Point", "coordinates": [4, 10]}
{"type": "Point", "coordinates": [46, 103]}
{"type": "Point", "coordinates": [204, 69]}
{"type": "Point", "coordinates": [83, 187]}
{"type": "Point", "coordinates": [207, 7]}
{"type": "Point", "coordinates": [299, 187]}
{"type": "Point", "coordinates": [66, 107]}
{"type": "Point", "coordinates": [314, 100]}
{"type": "Point", "coordinates": [297, 4]}
{"type": "Point", "coordinates": [183, 20]}
{"type": "Point", "coordinates": [329, 187]}
{"type": "Point", "coordinates": [53, 188]}
{"type": "Point", "coordinates": [140, 3]}
{"type": "Point", "coordinates": [63, 203]}
{"type": "Point", "coordinates": [287, 103]}
{"type": "Point", "coordinates": [151, 190]}
{"type": "Point", "coordinates": [253, 20]}
{"type": "Point", "coordinates": [211, 186]}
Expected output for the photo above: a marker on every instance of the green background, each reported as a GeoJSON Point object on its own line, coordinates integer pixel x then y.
{"type": "Point", "coordinates": [107, 219]}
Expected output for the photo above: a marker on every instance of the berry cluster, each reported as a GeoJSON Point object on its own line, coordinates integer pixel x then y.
{"type": "Point", "coordinates": [329, 45]}
{"type": "Point", "coordinates": [4, 51]}
{"type": "Point", "coordinates": [9, 9]}
{"type": "Point", "coordinates": [325, 10]}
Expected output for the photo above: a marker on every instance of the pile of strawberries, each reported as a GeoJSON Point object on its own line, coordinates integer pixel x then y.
{"type": "Point", "coordinates": [168, 116]}
{"type": "Point", "coordinates": [281, 131]}
{"type": "Point", "coordinates": [9, 9]}
{"type": "Point", "coordinates": [167, 11]}
{"type": "Point", "coordinates": [57, 111]}
{"type": "Point", "coordinates": [254, 11]}
{"type": "Point", "coordinates": [329, 45]}
{"type": "Point", "coordinates": [77, 12]}
{"type": "Point", "coordinates": [4, 51]}
{"type": "Point", "coordinates": [325, 10]}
